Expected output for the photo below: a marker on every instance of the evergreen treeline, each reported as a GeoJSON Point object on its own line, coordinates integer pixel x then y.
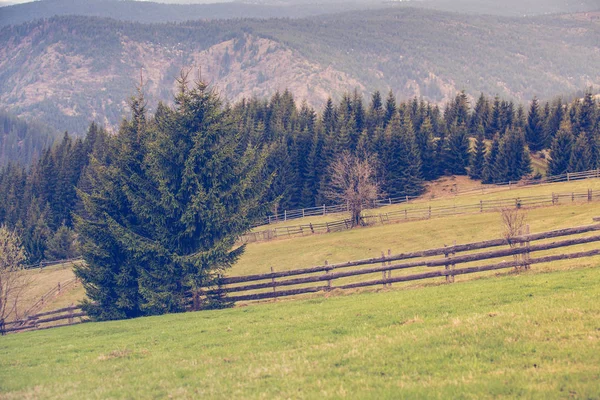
{"type": "Point", "coordinates": [39, 201]}
{"type": "Point", "coordinates": [22, 142]}
{"type": "Point", "coordinates": [413, 141]}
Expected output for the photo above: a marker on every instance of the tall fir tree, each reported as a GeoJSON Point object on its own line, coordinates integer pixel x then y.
{"type": "Point", "coordinates": [390, 108]}
{"type": "Point", "coordinates": [534, 129]}
{"type": "Point", "coordinates": [581, 155]}
{"type": "Point", "coordinates": [477, 162]}
{"type": "Point", "coordinates": [163, 216]}
{"type": "Point", "coordinates": [489, 174]}
{"type": "Point", "coordinates": [457, 154]}
{"type": "Point", "coordinates": [402, 160]}
{"type": "Point", "coordinates": [426, 145]}
{"type": "Point", "coordinates": [513, 161]}
{"type": "Point", "coordinates": [562, 147]}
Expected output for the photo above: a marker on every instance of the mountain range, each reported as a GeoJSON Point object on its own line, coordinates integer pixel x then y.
{"type": "Point", "coordinates": [69, 70]}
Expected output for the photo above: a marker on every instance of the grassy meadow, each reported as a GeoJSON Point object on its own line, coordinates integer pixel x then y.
{"type": "Point", "coordinates": [360, 243]}
{"type": "Point", "coordinates": [529, 335]}
{"type": "Point", "coordinates": [533, 334]}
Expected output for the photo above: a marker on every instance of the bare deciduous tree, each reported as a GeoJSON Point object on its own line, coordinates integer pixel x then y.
{"type": "Point", "coordinates": [352, 182]}
{"type": "Point", "coordinates": [13, 278]}
{"type": "Point", "coordinates": [514, 221]}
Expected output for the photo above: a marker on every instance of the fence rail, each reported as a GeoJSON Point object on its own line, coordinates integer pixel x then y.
{"type": "Point", "coordinates": [519, 248]}
{"type": "Point", "coordinates": [420, 213]}
{"type": "Point", "coordinates": [45, 320]}
{"type": "Point", "coordinates": [42, 264]}
{"type": "Point", "coordinates": [52, 293]}
{"type": "Point", "coordinates": [288, 215]}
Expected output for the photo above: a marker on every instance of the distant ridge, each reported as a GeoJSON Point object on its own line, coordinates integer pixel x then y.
{"type": "Point", "coordinates": [67, 71]}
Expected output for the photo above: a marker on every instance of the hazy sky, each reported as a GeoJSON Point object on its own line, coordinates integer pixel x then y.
{"type": "Point", "coordinates": [8, 2]}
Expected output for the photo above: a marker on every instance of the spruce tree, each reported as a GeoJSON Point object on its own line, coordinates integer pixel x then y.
{"type": "Point", "coordinates": [582, 158]}
{"type": "Point", "coordinates": [457, 154]}
{"type": "Point", "coordinates": [402, 160]}
{"type": "Point", "coordinates": [390, 107]}
{"type": "Point", "coordinates": [553, 122]}
{"type": "Point", "coordinates": [477, 163]}
{"type": "Point", "coordinates": [513, 161]}
{"type": "Point", "coordinates": [481, 114]}
{"type": "Point", "coordinates": [426, 145]}
{"type": "Point", "coordinates": [495, 125]}
{"type": "Point", "coordinates": [562, 147]}
{"type": "Point", "coordinates": [164, 213]}
{"type": "Point", "coordinates": [586, 114]}
{"type": "Point", "coordinates": [534, 129]}
{"type": "Point", "coordinates": [489, 169]}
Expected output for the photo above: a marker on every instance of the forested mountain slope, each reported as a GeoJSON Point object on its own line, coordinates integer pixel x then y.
{"type": "Point", "coordinates": [69, 70]}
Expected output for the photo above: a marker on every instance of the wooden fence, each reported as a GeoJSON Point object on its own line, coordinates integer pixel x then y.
{"type": "Point", "coordinates": [288, 215]}
{"type": "Point", "coordinates": [50, 294]}
{"type": "Point", "coordinates": [71, 315]}
{"type": "Point", "coordinates": [421, 213]}
{"type": "Point", "coordinates": [443, 262]}
{"type": "Point", "coordinates": [42, 264]}
{"type": "Point", "coordinates": [438, 262]}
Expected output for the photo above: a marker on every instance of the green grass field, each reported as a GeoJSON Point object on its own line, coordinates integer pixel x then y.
{"type": "Point", "coordinates": [532, 335]}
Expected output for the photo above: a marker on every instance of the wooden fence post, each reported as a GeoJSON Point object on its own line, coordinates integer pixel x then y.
{"type": "Point", "coordinates": [389, 270]}
{"type": "Point", "coordinates": [405, 213]}
{"type": "Point", "coordinates": [527, 254]}
{"type": "Point", "coordinates": [453, 265]}
{"type": "Point", "coordinates": [429, 212]}
{"type": "Point", "coordinates": [480, 205]}
{"type": "Point", "coordinates": [312, 230]}
{"type": "Point", "coordinates": [383, 273]}
{"type": "Point", "coordinates": [589, 195]}
{"type": "Point", "coordinates": [327, 226]}
{"type": "Point", "coordinates": [328, 280]}
{"type": "Point", "coordinates": [70, 320]}
{"type": "Point", "coordinates": [572, 196]}
{"type": "Point", "coordinates": [273, 282]}
{"type": "Point", "coordinates": [552, 198]}
{"type": "Point", "coordinates": [520, 258]}
{"type": "Point", "coordinates": [446, 265]}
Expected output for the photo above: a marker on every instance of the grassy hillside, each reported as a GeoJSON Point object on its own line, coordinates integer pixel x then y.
{"type": "Point", "coordinates": [303, 252]}
{"type": "Point", "coordinates": [533, 335]}
{"type": "Point", "coordinates": [69, 70]}
{"type": "Point", "coordinates": [450, 195]}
